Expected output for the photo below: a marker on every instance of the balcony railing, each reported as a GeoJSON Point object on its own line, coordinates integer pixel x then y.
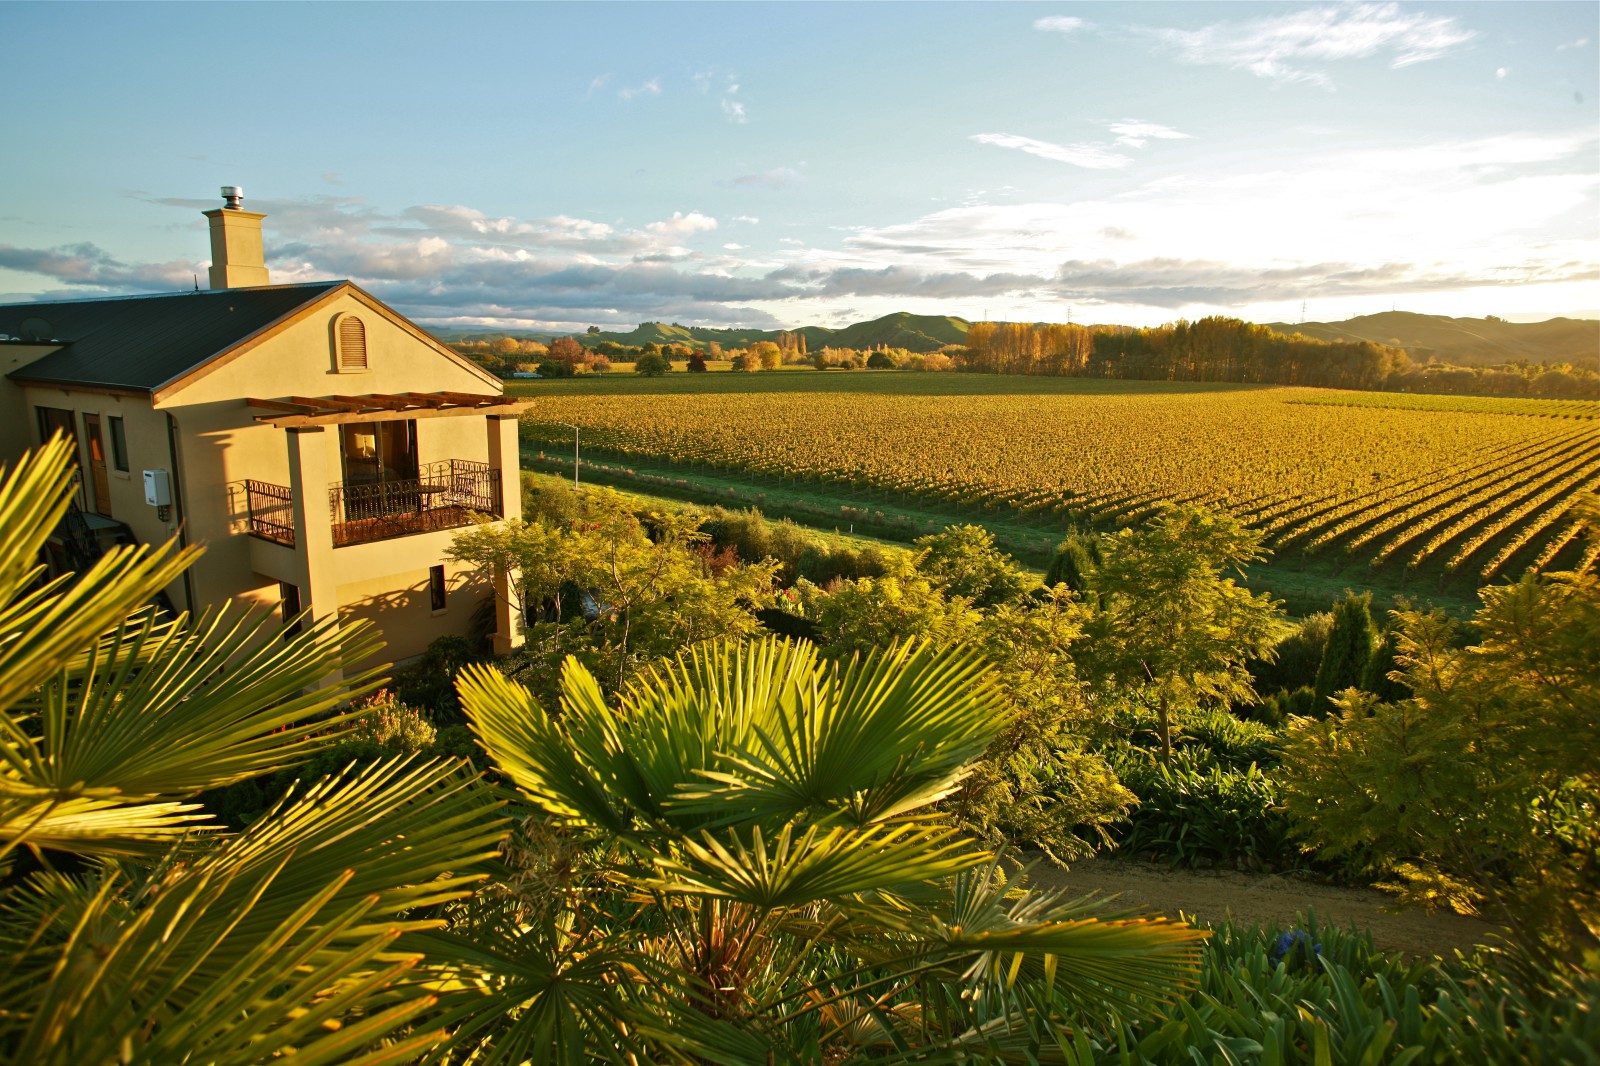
{"type": "Point", "coordinates": [271, 511]}
{"type": "Point", "coordinates": [445, 495]}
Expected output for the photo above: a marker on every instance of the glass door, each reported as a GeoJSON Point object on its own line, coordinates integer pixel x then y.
{"type": "Point", "coordinates": [99, 480]}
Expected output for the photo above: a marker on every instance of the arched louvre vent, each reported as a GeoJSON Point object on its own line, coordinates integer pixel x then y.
{"type": "Point", "coordinates": [352, 343]}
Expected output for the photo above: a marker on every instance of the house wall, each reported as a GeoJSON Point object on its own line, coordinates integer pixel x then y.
{"type": "Point", "coordinates": [221, 445]}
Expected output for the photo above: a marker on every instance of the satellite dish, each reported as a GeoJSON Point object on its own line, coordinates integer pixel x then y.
{"type": "Point", "coordinates": [34, 329]}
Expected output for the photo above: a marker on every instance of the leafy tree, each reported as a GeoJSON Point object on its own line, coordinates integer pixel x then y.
{"type": "Point", "coordinates": [767, 355]}
{"type": "Point", "coordinates": [1481, 791]}
{"type": "Point", "coordinates": [963, 561]}
{"type": "Point", "coordinates": [697, 364]}
{"type": "Point", "coordinates": [132, 928]}
{"type": "Point", "coordinates": [567, 351]}
{"type": "Point", "coordinates": [651, 364]}
{"type": "Point", "coordinates": [1038, 784]}
{"type": "Point", "coordinates": [880, 361]}
{"type": "Point", "coordinates": [647, 592]}
{"type": "Point", "coordinates": [1350, 645]}
{"type": "Point", "coordinates": [1170, 627]}
{"type": "Point", "coordinates": [745, 865]}
{"type": "Point", "coordinates": [903, 604]}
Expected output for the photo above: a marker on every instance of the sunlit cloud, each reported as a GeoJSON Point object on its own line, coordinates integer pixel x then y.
{"type": "Point", "coordinates": [1092, 156]}
{"type": "Point", "coordinates": [1292, 47]}
{"type": "Point", "coordinates": [1060, 24]}
{"type": "Point", "coordinates": [1135, 134]}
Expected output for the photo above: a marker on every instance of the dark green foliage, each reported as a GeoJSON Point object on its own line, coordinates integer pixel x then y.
{"type": "Point", "coordinates": [555, 368]}
{"type": "Point", "coordinates": [802, 554]}
{"type": "Point", "coordinates": [1297, 657]}
{"type": "Point", "coordinates": [651, 364]}
{"type": "Point", "coordinates": [1350, 645]}
{"type": "Point", "coordinates": [697, 364]}
{"type": "Point", "coordinates": [1278, 708]}
{"type": "Point", "coordinates": [1232, 742]}
{"type": "Point", "coordinates": [1074, 563]}
{"type": "Point", "coordinates": [880, 361]}
{"type": "Point", "coordinates": [429, 681]}
{"type": "Point", "coordinates": [1195, 812]}
{"type": "Point", "coordinates": [1353, 1004]}
{"type": "Point", "coordinates": [1375, 678]}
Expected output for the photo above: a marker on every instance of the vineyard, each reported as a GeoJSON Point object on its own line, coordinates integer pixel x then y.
{"type": "Point", "coordinates": [1462, 488]}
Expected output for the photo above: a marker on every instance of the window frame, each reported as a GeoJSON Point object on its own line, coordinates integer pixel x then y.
{"type": "Point", "coordinates": [119, 443]}
{"type": "Point", "coordinates": [438, 589]}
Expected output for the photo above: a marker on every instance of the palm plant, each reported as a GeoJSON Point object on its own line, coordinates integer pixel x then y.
{"type": "Point", "coordinates": [132, 929]}
{"type": "Point", "coordinates": [753, 871]}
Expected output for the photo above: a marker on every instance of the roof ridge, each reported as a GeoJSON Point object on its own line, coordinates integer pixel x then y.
{"type": "Point", "coordinates": [181, 292]}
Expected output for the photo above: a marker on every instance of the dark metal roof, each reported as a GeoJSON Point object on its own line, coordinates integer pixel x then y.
{"type": "Point", "coordinates": [142, 342]}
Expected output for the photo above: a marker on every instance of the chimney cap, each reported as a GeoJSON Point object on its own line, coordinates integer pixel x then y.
{"type": "Point", "coordinates": [233, 196]}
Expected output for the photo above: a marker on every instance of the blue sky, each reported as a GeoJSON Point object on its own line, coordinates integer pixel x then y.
{"type": "Point", "coordinates": [556, 166]}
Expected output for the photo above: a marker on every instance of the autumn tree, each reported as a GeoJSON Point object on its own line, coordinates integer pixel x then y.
{"type": "Point", "coordinates": [567, 350]}
{"type": "Point", "coordinates": [767, 355]}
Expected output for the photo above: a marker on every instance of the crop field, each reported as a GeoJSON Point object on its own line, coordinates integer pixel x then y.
{"type": "Point", "coordinates": [1465, 488]}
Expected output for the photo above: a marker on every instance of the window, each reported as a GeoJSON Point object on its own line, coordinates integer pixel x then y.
{"type": "Point", "coordinates": [351, 338]}
{"type": "Point", "coordinates": [436, 589]}
{"type": "Point", "coordinates": [290, 595]}
{"type": "Point", "coordinates": [119, 444]}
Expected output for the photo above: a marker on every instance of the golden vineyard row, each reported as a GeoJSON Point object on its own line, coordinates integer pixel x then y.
{"type": "Point", "coordinates": [1467, 488]}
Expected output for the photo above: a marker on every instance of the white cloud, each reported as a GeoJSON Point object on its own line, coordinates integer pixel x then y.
{"type": "Point", "coordinates": [1092, 156]}
{"type": "Point", "coordinates": [1581, 42]}
{"type": "Point", "coordinates": [648, 88]}
{"type": "Point", "coordinates": [1060, 24]}
{"type": "Point", "coordinates": [734, 111]}
{"type": "Point", "coordinates": [1286, 47]}
{"type": "Point", "coordinates": [1501, 72]}
{"type": "Point", "coordinates": [749, 220]}
{"type": "Point", "coordinates": [730, 247]}
{"type": "Point", "coordinates": [1136, 134]}
{"type": "Point", "coordinates": [682, 225]}
{"type": "Point", "coordinates": [598, 83]}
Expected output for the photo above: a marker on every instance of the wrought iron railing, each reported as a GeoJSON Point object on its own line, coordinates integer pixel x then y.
{"type": "Point", "coordinates": [443, 495]}
{"type": "Point", "coordinates": [271, 510]}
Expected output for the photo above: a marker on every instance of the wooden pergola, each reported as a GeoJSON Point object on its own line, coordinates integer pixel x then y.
{"type": "Point", "coordinates": [292, 411]}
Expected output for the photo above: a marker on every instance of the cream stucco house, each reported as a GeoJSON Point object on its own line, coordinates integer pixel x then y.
{"type": "Point", "coordinates": [323, 448]}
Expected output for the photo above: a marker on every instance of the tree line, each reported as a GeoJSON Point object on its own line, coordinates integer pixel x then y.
{"type": "Point", "coordinates": [1220, 349]}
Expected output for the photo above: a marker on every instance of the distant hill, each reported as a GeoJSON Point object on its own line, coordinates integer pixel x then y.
{"type": "Point", "coordinates": [1465, 341]}
{"type": "Point", "coordinates": [917, 333]}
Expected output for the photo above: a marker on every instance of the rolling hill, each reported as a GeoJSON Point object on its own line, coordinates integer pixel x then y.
{"type": "Point", "coordinates": [1462, 341]}
{"type": "Point", "coordinates": [1465, 341]}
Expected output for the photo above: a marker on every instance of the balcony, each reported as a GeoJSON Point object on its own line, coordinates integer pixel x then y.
{"type": "Point", "coordinates": [446, 494]}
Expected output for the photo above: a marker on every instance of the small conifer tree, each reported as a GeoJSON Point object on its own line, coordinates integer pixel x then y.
{"type": "Point", "coordinates": [1350, 646]}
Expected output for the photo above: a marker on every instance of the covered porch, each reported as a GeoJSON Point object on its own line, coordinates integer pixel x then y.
{"type": "Point", "coordinates": [384, 489]}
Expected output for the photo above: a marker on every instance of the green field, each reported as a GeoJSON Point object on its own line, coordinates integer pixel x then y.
{"type": "Point", "coordinates": [1406, 494]}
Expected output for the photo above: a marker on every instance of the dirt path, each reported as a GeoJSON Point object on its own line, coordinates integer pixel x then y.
{"type": "Point", "coordinates": [1262, 899]}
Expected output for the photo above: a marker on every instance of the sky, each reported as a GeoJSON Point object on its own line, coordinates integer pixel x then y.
{"type": "Point", "coordinates": [556, 166]}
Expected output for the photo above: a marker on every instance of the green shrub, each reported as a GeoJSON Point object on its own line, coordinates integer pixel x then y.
{"type": "Point", "coordinates": [1230, 741]}
{"type": "Point", "coordinates": [1335, 999]}
{"type": "Point", "coordinates": [429, 681]}
{"type": "Point", "coordinates": [1193, 812]}
{"type": "Point", "coordinates": [1297, 656]}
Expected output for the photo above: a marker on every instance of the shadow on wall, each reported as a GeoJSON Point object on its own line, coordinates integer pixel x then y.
{"type": "Point", "coordinates": [406, 617]}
